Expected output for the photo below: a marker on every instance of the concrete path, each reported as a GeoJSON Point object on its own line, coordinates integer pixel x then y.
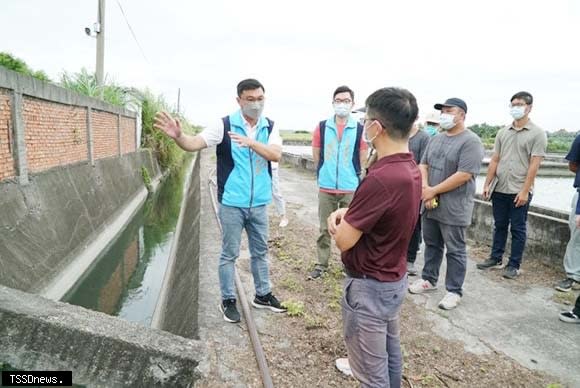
{"type": "Point", "coordinates": [495, 315]}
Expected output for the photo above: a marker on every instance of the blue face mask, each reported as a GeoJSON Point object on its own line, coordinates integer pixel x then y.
{"type": "Point", "coordinates": [342, 110]}
{"type": "Point", "coordinates": [431, 130]}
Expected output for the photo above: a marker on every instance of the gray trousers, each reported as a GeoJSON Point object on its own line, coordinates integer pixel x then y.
{"type": "Point", "coordinates": [437, 237]}
{"type": "Point", "coordinates": [572, 256]}
{"type": "Point", "coordinates": [371, 324]}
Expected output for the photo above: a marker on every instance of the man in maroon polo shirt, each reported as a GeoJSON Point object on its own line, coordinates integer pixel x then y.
{"type": "Point", "coordinates": [373, 235]}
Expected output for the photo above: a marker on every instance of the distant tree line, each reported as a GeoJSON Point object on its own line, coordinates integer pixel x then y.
{"type": "Point", "coordinates": [559, 141]}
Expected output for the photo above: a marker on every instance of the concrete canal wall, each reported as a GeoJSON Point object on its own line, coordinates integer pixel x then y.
{"type": "Point", "coordinates": [47, 223]}
{"type": "Point", "coordinates": [177, 307]}
{"type": "Point", "coordinates": [71, 179]}
{"type": "Point", "coordinates": [100, 350]}
{"type": "Point", "coordinates": [548, 231]}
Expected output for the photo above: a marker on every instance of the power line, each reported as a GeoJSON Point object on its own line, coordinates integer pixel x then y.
{"type": "Point", "coordinates": [133, 33]}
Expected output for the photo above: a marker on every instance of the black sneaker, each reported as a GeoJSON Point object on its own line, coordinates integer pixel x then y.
{"type": "Point", "coordinates": [229, 310]}
{"type": "Point", "coordinates": [268, 301]}
{"type": "Point", "coordinates": [569, 317]}
{"type": "Point", "coordinates": [316, 274]}
{"type": "Point", "coordinates": [568, 285]}
{"type": "Point", "coordinates": [511, 273]}
{"type": "Point", "coordinates": [490, 264]}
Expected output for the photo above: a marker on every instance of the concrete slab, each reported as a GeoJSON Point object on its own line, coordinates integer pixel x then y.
{"type": "Point", "coordinates": [519, 320]}
{"type": "Point", "coordinates": [100, 350]}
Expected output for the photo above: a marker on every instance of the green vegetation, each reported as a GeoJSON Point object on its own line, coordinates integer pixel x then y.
{"type": "Point", "coordinates": [86, 83]}
{"type": "Point", "coordinates": [299, 136]}
{"type": "Point", "coordinates": [146, 178]}
{"type": "Point", "coordinates": [559, 141]}
{"type": "Point", "coordinates": [169, 155]}
{"type": "Point", "coordinates": [16, 64]}
{"type": "Point", "coordinates": [295, 309]}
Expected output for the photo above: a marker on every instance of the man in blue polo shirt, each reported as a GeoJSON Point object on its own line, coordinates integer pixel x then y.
{"type": "Point", "coordinates": [246, 144]}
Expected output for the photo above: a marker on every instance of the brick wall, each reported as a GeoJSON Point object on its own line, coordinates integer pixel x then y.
{"type": "Point", "coordinates": [105, 140]}
{"type": "Point", "coordinates": [43, 126]}
{"type": "Point", "coordinates": [55, 134]}
{"type": "Point", "coordinates": [6, 161]}
{"type": "Point", "coordinates": [127, 126]}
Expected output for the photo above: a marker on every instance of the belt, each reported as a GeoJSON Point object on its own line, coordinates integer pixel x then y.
{"type": "Point", "coordinates": [358, 275]}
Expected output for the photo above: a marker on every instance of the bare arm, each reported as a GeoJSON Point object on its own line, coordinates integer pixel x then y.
{"type": "Point", "coordinates": [573, 166]}
{"type": "Point", "coordinates": [491, 171]}
{"type": "Point", "coordinates": [172, 128]}
{"type": "Point", "coordinates": [316, 155]}
{"type": "Point", "coordinates": [453, 182]}
{"type": "Point", "coordinates": [522, 197]}
{"type": "Point", "coordinates": [424, 175]}
{"type": "Point", "coordinates": [343, 233]}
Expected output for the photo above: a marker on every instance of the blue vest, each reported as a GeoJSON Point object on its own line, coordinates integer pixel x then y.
{"type": "Point", "coordinates": [339, 164]}
{"type": "Point", "coordinates": [244, 178]}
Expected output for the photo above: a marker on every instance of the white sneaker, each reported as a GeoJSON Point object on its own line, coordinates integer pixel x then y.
{"type": "Point", "coordinates": [450, 301]}
{"type": "Point", "coordinates": [420, 286]}
{"type": "Point", "coordinates": [283, 222]}
{"type": "Point", "coordinates": [343, 365]}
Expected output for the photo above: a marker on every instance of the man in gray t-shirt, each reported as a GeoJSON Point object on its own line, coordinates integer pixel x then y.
{"type": "Point", "coordinates": [448, 168]}
{"type": "Point", "coordinates": [519, 150]}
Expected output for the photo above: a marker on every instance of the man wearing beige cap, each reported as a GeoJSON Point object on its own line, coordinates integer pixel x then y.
{"type": "Point", "coordinates": [449, 166]}
{"type": "Point", "coordinates": [432, 124]}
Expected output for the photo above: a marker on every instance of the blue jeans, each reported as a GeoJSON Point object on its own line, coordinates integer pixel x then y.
{"type": "Point", "coordinates": [505, 214]}
{"type": "Point", "coordinates": [371, 324]}
{"type": "Point", "coordinates": [255, 221]}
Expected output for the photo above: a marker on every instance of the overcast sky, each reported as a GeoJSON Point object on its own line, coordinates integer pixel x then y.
{"type": "Point", "coordinates": [302, 50]}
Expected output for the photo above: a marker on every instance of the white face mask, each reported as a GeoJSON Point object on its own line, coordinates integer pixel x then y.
{"type": "Point", "coordinates": [341, 109]}
{"type": "Point", "coordinates": [446, 121]}
{"type": "Point", "coordinates": [366, 137]}
{"type": "Point", "coordinates": [518, 112]}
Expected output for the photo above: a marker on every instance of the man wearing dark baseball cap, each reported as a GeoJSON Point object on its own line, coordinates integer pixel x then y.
{"type": "Point", "coordinates": [450, 102]}
{"type": "Point", "coordinates": [449, 166]}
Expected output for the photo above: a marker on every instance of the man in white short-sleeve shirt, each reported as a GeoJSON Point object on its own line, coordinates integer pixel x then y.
{"type": "Point", "coordinates": [246, 144]}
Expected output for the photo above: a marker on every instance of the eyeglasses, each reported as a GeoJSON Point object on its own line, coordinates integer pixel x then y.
{"type": "Point", "coordinates": [363, 120]}
{"type": "Point", "coordinates": [519, 104]}
{"type": "Point", "coordinates": [342, 101]}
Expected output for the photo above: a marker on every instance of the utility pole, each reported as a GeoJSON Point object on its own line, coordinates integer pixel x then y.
{"type": "Point", "coordinates": [178, 99]}
{"type": "Point", "coordinates": [101, 43]}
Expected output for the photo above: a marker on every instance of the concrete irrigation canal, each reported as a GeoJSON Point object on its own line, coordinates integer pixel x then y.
{"type": "Point", "coordinates": [108, 267]}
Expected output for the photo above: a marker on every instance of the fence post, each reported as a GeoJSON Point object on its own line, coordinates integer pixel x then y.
{"type": "Point", "coordinates": [19, 140]}
{"type": "Point", "coordinates": [90, 146]}
{"type": "Point", "coordinates": [119, 133]}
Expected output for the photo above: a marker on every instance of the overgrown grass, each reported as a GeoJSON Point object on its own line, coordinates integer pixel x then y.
{"type": "Point", "coordinates": [295, 309]}
{"type": "Point", "coordinates": [304, 136]}
{"type": "Point", "coordinates": [85, 83]}
{"type": "Point", "coordinates": [16, 64]}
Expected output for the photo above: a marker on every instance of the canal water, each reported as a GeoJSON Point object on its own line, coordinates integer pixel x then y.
{"type": "Point", "coordinates": [127, 278]}
{"type": "Point", "coordinates": [551, 192]}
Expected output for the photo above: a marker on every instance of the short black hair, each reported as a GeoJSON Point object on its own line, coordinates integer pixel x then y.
{"type": "Point", "coordinates": [342, 89]}
{"type": "Point", "coordinates": [249, 84]}
{"type": "Point", "coordinates": [527, 97]}
{"type": "Point", "coordinates": [395, 108]}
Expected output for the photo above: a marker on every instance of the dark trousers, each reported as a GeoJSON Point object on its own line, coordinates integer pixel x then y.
{"type": "Point", "coordinates": [506, 214]}
{"type": "Point", "coordinates": [414, 243]}
{"type": "Point", "coordinates": [577, 307]}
